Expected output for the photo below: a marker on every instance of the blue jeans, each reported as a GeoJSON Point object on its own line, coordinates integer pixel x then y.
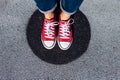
{"type": "Point", "coordinates": [68, 6]}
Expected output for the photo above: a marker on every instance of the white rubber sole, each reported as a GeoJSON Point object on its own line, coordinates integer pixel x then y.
{"type": "Point", "coordinates": [62, 47]}
{"type": "Point", "coordinates": [47, 46]}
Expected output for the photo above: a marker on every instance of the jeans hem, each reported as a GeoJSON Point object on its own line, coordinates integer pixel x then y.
{"type": "Point", "coordinates": [48, 11]}
{"type": "Point", "coordinates": [69, 13]}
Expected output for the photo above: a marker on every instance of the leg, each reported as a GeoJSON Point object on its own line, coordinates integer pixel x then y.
{"type": "Point", "coordinates": [47, 7]}
{"type": "Point", "coordinates": [69, 7]}
{"type": "Point", "coordinates": [65, 35]}
{"type": "Point", "coordinates": [48, 32]}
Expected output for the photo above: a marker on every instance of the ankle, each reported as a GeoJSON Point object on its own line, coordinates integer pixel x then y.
{"type": "Point", "coordinates": [64, 16]}
{"type": "Point", "coordinates": [49, 15]}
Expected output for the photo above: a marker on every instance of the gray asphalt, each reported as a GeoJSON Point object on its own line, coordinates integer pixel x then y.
{"type": "Point", "coordinates": [100, 62]}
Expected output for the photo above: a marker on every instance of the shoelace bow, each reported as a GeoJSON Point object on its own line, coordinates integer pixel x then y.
{"type": "Point", "coordinates": [65, 28]}
{"type": "Point", "coordinates": [49, 29]}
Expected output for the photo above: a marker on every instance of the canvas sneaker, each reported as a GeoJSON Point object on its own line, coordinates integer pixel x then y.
{"type": "Point", "coordinates": [48, 35]}
{"type": "Point", "coordinates": [65, 35]}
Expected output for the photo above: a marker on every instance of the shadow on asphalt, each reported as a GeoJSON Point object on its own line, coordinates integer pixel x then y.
{"type": "Point", "coordinates": [81, 39]}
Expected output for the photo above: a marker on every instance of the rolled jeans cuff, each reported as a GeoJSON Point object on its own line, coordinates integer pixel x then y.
{"type": "Point", "coordinates": [69, 13]}
{"type": "Point", "coordinates": [48, 11]}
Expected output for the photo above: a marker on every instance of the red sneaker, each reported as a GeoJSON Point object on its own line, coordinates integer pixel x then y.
{"type": "Point", "coordinates": [48, 35]}
{"type": "Point", "coordinates": [65, 35]}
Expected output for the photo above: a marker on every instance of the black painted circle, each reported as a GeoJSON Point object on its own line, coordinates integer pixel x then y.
{"type": "Point", "coordinates": [81, 39]}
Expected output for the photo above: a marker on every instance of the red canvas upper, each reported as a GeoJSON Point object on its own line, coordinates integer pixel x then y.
{"type": "Point", "coordinates": [65, 31]}
{"type": "Point", "coordinates": [48, 30]}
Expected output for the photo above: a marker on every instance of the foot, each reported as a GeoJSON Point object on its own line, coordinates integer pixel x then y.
{"type": "Point", "coordinates": [65, 35]}
{"type": "Point", "coordinates": [64, 16]}
{"type": "Point", "coordinates": [48, 35]}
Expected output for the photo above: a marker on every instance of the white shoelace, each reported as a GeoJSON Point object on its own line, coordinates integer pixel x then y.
{"type": "Point", "coordinates": [65, 29]}
{"type": "Point", "coordinates": [49, 29]}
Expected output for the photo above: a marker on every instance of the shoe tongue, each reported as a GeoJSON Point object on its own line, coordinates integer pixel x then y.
{"type": "Point", "coordinates": [63, 21]}
{"type": "Point", "coordinates": [49, 20]}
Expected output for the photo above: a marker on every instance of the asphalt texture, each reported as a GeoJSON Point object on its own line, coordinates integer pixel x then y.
{"type": "Point", "coordinates": [101, 61]}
